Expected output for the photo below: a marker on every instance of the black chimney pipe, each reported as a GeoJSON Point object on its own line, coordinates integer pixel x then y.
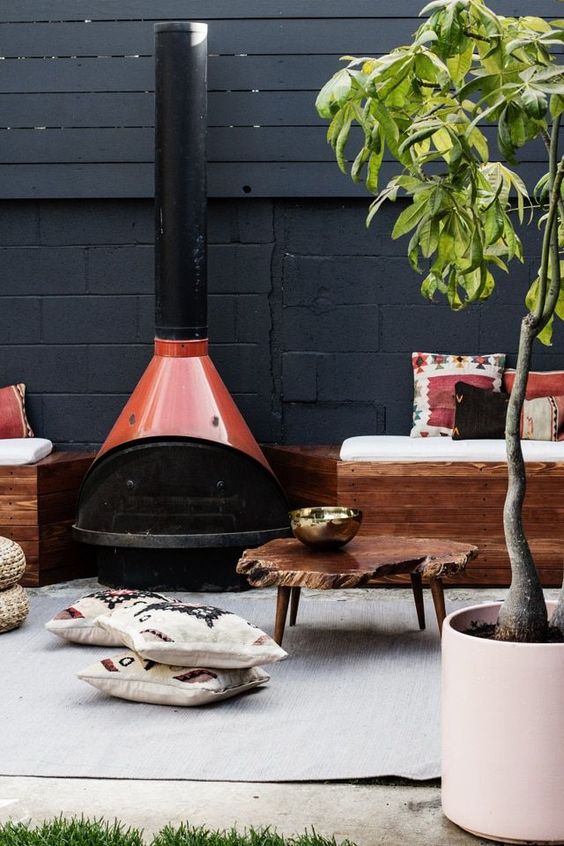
{"type": "Point", "coordinates": [180, 181]}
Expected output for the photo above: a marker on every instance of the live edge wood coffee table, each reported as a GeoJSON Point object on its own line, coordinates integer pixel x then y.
{"type": "Point", "coordinates": [291, 566]}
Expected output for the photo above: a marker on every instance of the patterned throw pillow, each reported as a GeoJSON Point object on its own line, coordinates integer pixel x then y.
{"type": "Point", "coordinates": [78, 622]}
{"type": "Point", "coordinates": [543, 419]}
{"type": "Point", "coordinates": [13, 420]}
{"type": "Point", "coordinates": [128, 676]}
{"type": "Point", "coordinates": [435, 376]}
{"type": "Point", "coordinates": [547, 383]}
{"type": "Point", "coordinates": [191, 636]}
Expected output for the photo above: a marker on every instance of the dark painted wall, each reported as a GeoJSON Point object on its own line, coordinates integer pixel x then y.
{"type": "Point", "coordinates": [312, 317]}
{"type": "Point", "coordinates": [76, 91]}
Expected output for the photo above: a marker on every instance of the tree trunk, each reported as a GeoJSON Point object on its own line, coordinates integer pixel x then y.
{"type": "Point", "coordinates": [523, 615]}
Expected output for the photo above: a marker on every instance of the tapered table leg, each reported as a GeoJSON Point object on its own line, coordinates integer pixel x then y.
{"type": "Point", "coordinates": [282, 602]}
{"type": "Point", "coordinates": [438, 601]}
{"type": "Point", "coordinates": [294, 604]}
{"type": "Point", "coordinates": [417, 586]}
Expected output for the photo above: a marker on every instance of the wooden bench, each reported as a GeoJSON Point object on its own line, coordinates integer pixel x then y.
{"type": "Point", "coordinates": [461, 501]}
{"type": "Point", "coordinates": [37, 509]}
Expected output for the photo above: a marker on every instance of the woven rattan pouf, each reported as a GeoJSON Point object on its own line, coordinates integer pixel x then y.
{"type": "Point", "coordinates": [14, 604]}
{"type": "Point", "coordinates": [14, 608]}
{"type": "Point", "coordinates": [12, 563]}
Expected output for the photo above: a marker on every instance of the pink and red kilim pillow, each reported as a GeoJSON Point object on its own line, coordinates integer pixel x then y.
{"type": "Point", "coordinates": [543, 419]}
{"type": "Point", "coordinates": [548, 383]}
{"type": "Point", "coordinates": [434, 377]}
{"type": "Point", "coordinates": [13, 420]}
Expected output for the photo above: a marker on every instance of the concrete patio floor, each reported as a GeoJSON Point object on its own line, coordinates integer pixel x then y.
{"type": "Point", "coordinates": [376, 813]}
{"type": "Point", "coordinates": [369, 815]}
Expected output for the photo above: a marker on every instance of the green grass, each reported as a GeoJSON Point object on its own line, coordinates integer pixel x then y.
{"type": "Point", "coordinates": [84, 832]}
{"type": "Point", "coordinates": [72, 832]}
{"type": "Point", "coordinates": [186, 835]}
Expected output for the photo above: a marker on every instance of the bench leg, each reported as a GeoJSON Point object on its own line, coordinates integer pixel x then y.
{"type": "Point", "coordinates": [294, 604]}
{"type": "Point", "coordinates": [282, 602]}
{"type": "Point", "coordinates": [417, 586]}
{"type": "Point", "coordinates": [438, 601]}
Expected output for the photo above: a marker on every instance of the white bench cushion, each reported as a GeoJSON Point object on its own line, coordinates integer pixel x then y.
{"type": "Point", "coordinates": [24, 450]}
{"type": "Point", "coordinates": [404, 448]}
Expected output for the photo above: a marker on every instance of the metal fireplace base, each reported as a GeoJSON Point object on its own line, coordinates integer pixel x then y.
{"type": "Point", "coordinates": [170, 569]}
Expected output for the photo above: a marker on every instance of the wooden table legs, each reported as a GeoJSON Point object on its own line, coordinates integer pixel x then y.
{"type": "Point", "coordinates": [282, 602]}
{"type": "Point", "coordinates": [438, 594]}
{"type": "Point", "coordinates": [290, 596]}
{"type": "Point", "coordinates": [294, 604]}
{"type": "Point", "coordinates": [417, 587]}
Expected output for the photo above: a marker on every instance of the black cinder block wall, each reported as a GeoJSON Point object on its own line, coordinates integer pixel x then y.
{"type": "Point", "coordinates": [312, 317]}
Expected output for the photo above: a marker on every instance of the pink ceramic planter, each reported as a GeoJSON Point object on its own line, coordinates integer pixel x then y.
{"type": "Point", "coordinates": [502, 733]}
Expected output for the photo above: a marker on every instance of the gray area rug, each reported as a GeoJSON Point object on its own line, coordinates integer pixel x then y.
{"type": "Point", "coordinates": [358, 697]}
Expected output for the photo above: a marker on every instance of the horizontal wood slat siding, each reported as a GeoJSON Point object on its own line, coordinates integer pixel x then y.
{"type": "Point", "coordinates": [79, 10]}
{"type": "Point", "coordinates": [235, 144]}
{"type": "Point", "coordinates": [76, 82]}
{"type": "Point", "coordinates": [225, 179]}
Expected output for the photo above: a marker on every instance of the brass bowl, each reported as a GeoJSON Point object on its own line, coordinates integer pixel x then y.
{"type": "Point", "coordinates": [325, 526]}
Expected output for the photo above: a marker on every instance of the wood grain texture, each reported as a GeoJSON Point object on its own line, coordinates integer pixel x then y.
{"type": "Point", "coordinates": [288, 563]}
{"type": "Point", "coordinates": [458, 500]}
{"type": "Point", "coordinates": [37, 509]}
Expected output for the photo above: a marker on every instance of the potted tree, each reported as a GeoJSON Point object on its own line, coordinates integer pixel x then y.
{"type": "Point", "coordinates": [426, 104]}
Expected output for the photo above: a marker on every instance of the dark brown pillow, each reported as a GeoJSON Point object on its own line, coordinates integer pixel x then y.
{"type": "Point", "coordinates": [478, 413]}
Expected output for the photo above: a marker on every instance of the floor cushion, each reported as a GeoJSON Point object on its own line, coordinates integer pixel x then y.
{"type": "Point", "coordinates": [77, 622]}
{"type": "Point", "coordinates": [192, 636]}
{"type": "Point", "coordinates": [128, 676]}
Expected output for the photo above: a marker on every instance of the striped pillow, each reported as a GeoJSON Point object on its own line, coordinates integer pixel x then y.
{"type": "Point", "coordinates": [541, 383]}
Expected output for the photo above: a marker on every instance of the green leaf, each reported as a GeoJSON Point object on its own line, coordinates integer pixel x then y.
{"type": "Point", "coordinates": [504, 135]}
{"type": "Point", "coordinates": [478, 140]}
{"type": "Point", "coordinates": [342, 139]}
{"type": "Point", "coordinates": [388, 124]}
{"type": "Point", "coordinates": [460, 64]}
{"type": "Point", "coordinates": [418, 136]}
{"type": "Point", "coordinates": [373, 172]}
{"type": "Point", "coordinates": [361, 158]}
{"type": "Point", "coordinates": [426, 36]}
{"type": "Point", "coordinates": [413, 252]}
{"type": "Point", "coordinates": [452, 33]}
{"type": "Point", "coordinates": [429, 236]}
{"type": "Point", "coordinates": [493, 223]}
{"type": "Point", "coordinates": [535, 102]}
{"type": "Point", "coordinates": [433, 6]}
{"type": "Point", "coordinates": [390, 192]}
{"type": "Point", "coordinates": [335, 127]}
{"type": "Point", "coordinates": [334, 94]}
{"type": "Point", "coordinates": [556, 105]}
{"type": "Point", "coordinates": [545, 335]}
{"type": "Point", "coordinates": [408, 219]}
